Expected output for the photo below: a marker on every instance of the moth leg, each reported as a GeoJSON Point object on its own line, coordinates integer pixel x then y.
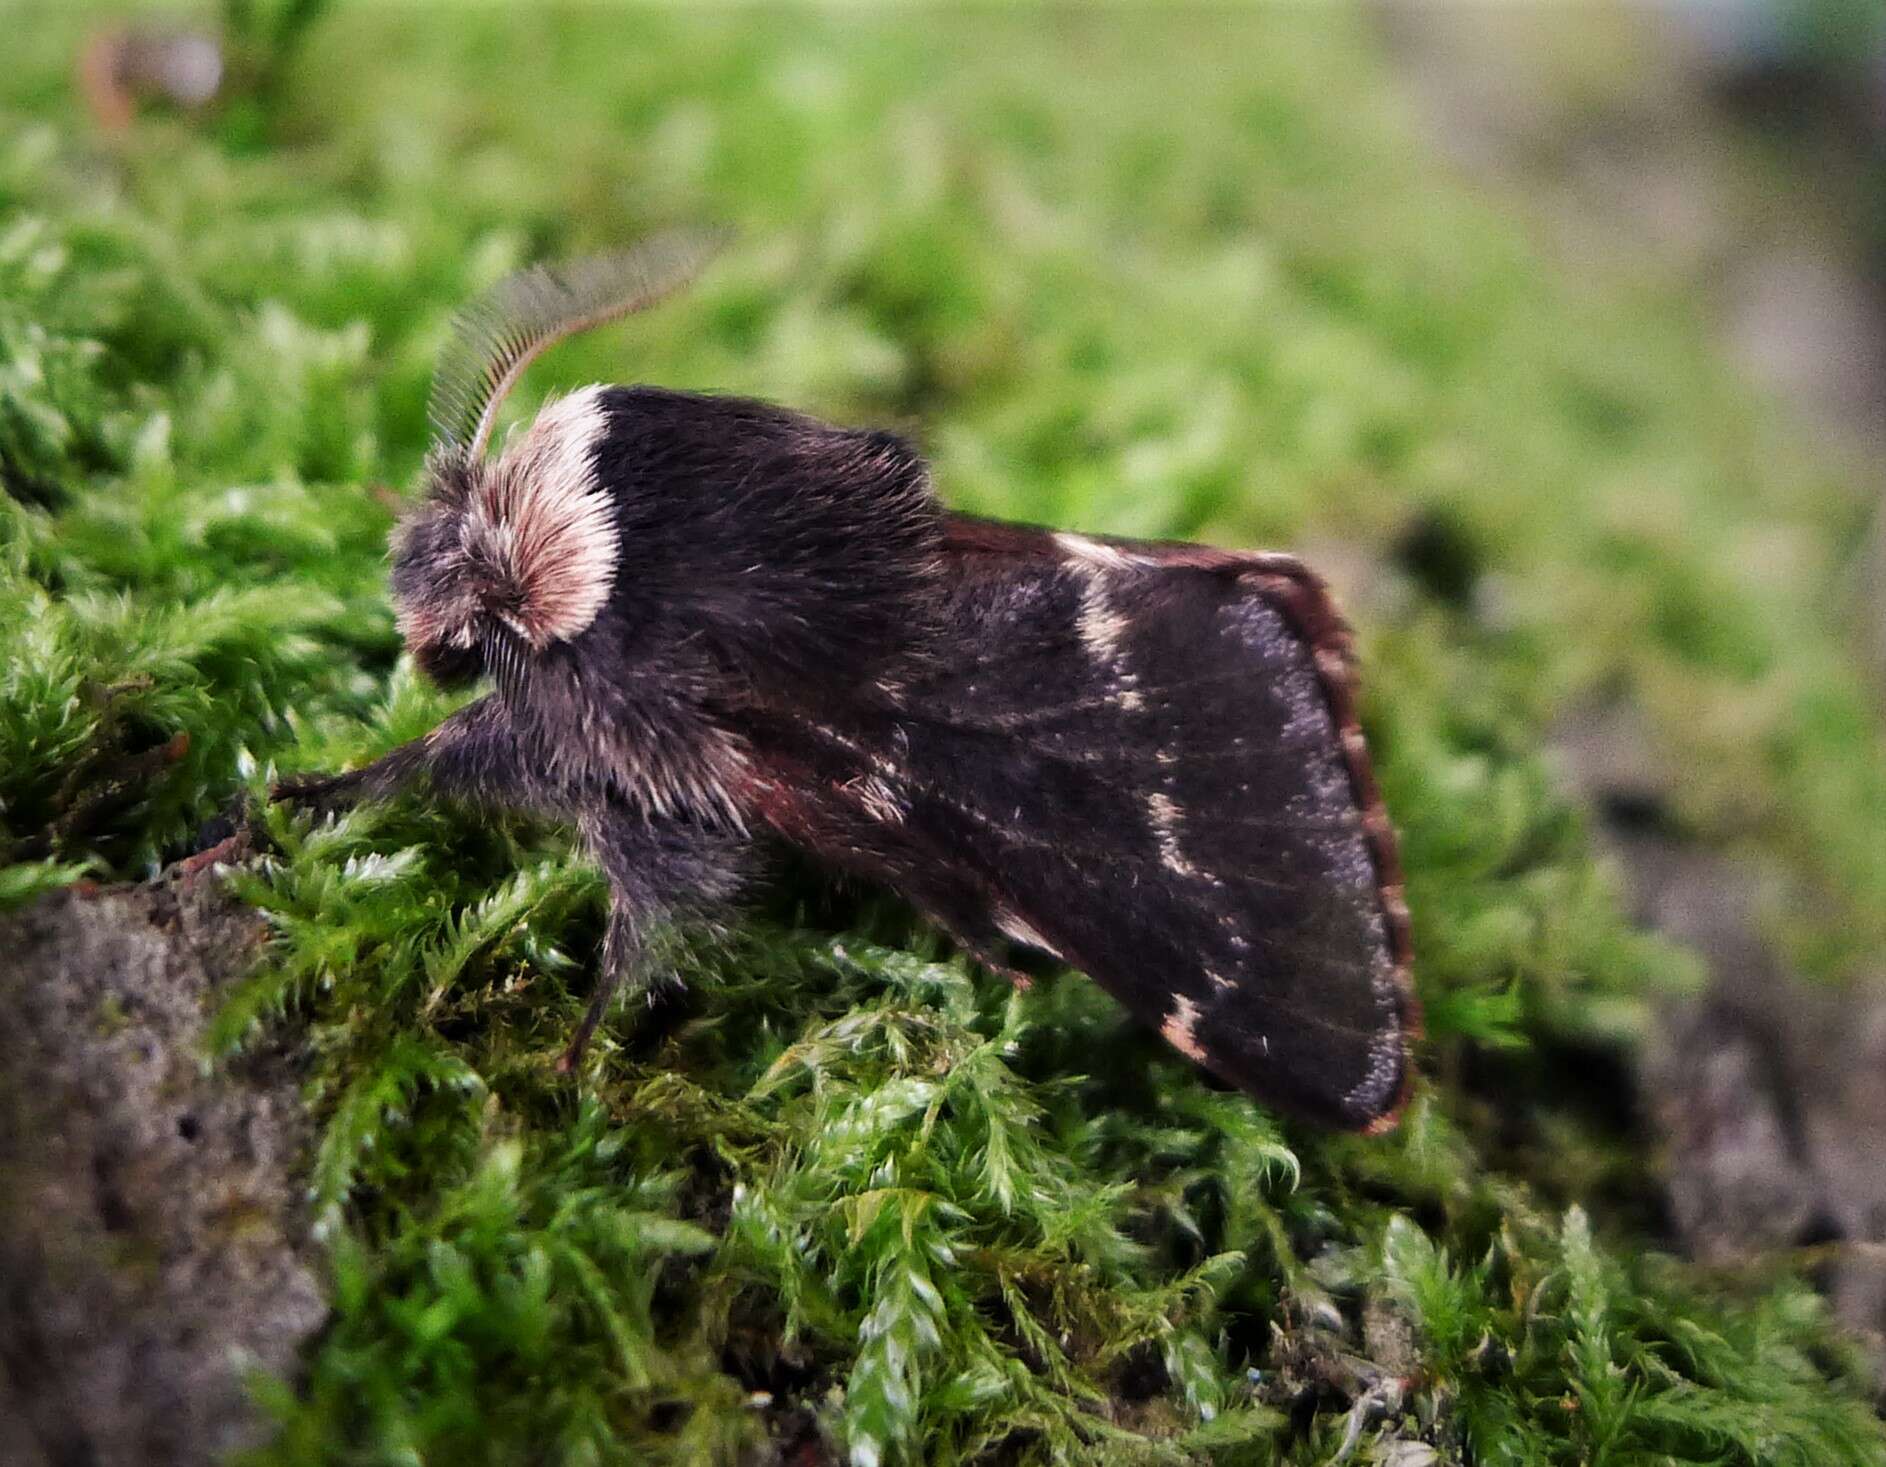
{"type": "Point", "coordinates": [621, 958]}
{"type": "Point", "coordinates": [473, 756]}
{"type": "Point", "coordinates": [656, 866]}
{"type": "Point", "coordinates": [326, 792]}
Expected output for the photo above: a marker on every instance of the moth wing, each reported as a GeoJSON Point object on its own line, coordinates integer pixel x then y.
{"type": "Point", "coordinates": [1150, 768]}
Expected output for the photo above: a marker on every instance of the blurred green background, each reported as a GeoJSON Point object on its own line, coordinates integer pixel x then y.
{"type": "Point", "coordinates": [1223, 273]}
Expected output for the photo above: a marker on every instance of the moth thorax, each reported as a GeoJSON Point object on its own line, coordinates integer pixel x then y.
{"type": "Point", "coordinates": [539, 531]}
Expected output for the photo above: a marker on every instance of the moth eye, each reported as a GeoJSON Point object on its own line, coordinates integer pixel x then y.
{"type": "Point", "coordinates": [449, 666]}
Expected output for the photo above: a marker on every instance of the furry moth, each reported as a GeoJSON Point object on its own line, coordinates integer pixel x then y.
{"type": "Point", "coordinates": [705, 619]}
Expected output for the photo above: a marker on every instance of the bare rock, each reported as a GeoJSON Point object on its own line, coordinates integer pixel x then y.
{"type": "Point", "coordinates": [1771, 1097]}
{"type": "Point", "coordinates": [153, 1247]}
{"type": "Point", "coordinates": [1767, 1091]}
{"type": "Point", "coordinates": [1737, 1172]}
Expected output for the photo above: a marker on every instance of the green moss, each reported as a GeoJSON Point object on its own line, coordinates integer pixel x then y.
{"type": "Point", "coordinates": [1118, 271]}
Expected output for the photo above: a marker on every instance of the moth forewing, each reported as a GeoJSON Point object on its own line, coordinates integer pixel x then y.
{"type": "Point", "coordinates": [1140, 759]}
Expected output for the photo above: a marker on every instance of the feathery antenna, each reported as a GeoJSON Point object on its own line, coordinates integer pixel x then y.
{"type": "Point", "coordinates": [498, 335]}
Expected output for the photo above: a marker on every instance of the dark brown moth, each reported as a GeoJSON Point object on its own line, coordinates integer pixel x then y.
{"type": "Point", "coordinates": [706, 619]}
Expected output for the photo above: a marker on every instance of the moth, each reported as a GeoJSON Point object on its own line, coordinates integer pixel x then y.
{"type": "Point", "coordinates": [706, 620]}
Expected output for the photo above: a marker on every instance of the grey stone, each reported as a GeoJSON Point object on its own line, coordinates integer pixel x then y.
{"type": "Point", "coordinates": [153, 1243]}
{"type": "Point", "coordinates": [1767, 1092]}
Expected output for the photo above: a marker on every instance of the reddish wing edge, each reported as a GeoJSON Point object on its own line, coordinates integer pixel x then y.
{"type": "Point", "coordinates": [1303, 598]}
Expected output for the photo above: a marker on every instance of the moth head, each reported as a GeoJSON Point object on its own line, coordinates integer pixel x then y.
{"type": "Point", "coordinates": [505, 556]}
{"type": "Point", "coordinates": [517, 552]}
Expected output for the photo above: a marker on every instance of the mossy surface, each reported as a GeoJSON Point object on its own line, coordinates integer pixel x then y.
{"type": "Point", "coordinates": [1141, 272]}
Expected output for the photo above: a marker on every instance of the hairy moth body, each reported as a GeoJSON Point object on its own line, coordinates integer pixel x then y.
{"type": "Point", "coordinates": [706, 617]}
